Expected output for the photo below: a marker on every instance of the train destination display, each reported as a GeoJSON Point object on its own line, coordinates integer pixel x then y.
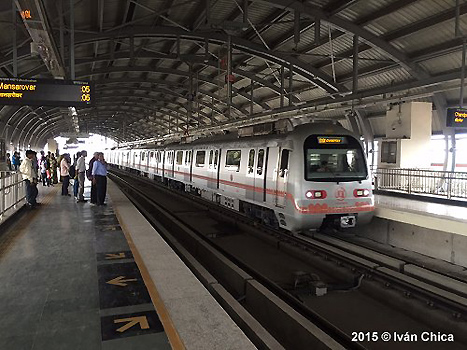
{"type": "Point", "coordinates": [331, 140]}
{"type": "Point", "coordinates": [456, 118]}
{"type": "Point", "coordinates": [42, 92]}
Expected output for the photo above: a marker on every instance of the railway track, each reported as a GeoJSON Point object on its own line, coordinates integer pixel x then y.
{"type": "Point", "coordinates": [298, 292]}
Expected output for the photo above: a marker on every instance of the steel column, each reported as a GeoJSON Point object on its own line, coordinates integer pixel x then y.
{"type": "Point", "coordinates": [72, 40]}
{"type": "Point", "coordinates": [245, 11]}
{"type": "Point", "coordinates": [15, 47]}
{"type": "Point", "coordinates": [317, 31]}
{"type": "Point", "coordinates": [62, 30]}
{"type": "Point", "coordinates": [355, 65]}
{"type": "Point", "coordinates": [282, 85]}
{"type": "Point", "coordinates": [252, 89]}
{"type": "Point", "coordinates": [229, 73]}
{"type": "Point", "coordinates": [296, 28]}
{"type": "Point", "coordinates": [290, 83]}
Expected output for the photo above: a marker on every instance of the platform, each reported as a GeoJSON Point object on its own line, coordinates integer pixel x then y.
{"type": "Point", "coordinates": [443, 217]}
{"type": "Point", "coordinates": [76, 276]}
{"type": "Point", "coordinates": [436, 230]}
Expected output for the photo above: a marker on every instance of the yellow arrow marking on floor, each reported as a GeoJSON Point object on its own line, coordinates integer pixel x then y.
{"type": "Point", "coordinates": [120, 281]}
{"type": "Point", "coordinates": [132, 321]}
{"type": "Point", "coordinates": [115, 256]}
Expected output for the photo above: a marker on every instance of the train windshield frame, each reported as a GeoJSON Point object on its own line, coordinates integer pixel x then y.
{"type": "Point", "coordinates": [337, 158]}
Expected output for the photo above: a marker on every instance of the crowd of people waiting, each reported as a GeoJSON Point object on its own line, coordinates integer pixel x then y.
{"type": "Point", "coordinates": [47, 167]}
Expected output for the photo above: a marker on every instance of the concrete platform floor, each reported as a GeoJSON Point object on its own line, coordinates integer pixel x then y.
{"type": "Point", "coordinates": [54, 291]}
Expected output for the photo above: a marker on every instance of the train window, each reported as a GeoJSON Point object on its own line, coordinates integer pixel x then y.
{"type": "Point", "coordinates": [260, 162]}
{"type": "Point", "coordinates": [284, 162]}
{"type": "Point", "coordinates": [251, 161]}
{"type": "Point", "coordinates": [232, 159]}
{"type": "Point", "coordinates": [179, 157]}
{"type": "Point", "coordinates": [200, 158]}
{"type": "Point", "coordinates": [143, 155]}
{"type": "Point", "coordinates": [210, 158]}
{"type": "Point", "coordinates": [151, 155]}
{"type": "Point", "coordinates": [216, 158]}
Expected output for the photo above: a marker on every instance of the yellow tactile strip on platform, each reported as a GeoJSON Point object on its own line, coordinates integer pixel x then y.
{"type": "Point", "coordinates": [170, 330]}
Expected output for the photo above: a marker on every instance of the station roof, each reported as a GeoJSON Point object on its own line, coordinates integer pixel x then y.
{"type": "Point", "coordinates": [161, 67]}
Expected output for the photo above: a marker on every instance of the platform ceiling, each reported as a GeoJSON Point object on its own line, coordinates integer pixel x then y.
{"type": "Point", "coordinates": [159, 66]}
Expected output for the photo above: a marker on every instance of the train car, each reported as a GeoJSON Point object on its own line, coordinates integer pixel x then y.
{"type": "Point", "coordinates": [306, 177]}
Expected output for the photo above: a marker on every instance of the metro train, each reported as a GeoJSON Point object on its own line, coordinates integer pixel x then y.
{"type": "Point", "coordinates": [306, 177]}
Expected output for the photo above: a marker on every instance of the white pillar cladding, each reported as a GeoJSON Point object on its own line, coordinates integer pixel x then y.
{"type": "Point", "coordinates": [410, 127]}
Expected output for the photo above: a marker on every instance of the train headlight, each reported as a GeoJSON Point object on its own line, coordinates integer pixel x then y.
{"type": "Point", "coordinates": [321, 194]}
{"type": "Point", "coordinates": [361, 193]}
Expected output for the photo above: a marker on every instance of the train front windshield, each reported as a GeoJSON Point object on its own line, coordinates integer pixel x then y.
{"type": "Point", "coordinates": [334, 158]}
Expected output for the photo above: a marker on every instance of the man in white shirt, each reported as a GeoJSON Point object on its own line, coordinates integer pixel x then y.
{"type": "Point", "coordinates": [30, 178]}
{"type": "Point", "coordinates": [81, 170]}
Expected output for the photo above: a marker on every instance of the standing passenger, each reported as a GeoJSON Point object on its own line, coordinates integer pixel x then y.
{"type": "Point", "coordinates": [64, 167]}
{"type": "Point", "coordinates": [75, 176]}
{"type": "Point", "coordinates": [30, 178]}
{"type": "Point", "coordinates": [15, 160]}
{"type": "Point", "coordinates": [99, 172]}
{"type": "Point", "coordinates": [54, 166]}
{"type": "Point", "coordinates": [8, 162]}
{"type": "Point", "coordinates": [81, 170]}
{"type": "Point", "coordinates": [90, 178]}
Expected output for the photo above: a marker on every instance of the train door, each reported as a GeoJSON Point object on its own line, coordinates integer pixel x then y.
{"type": "Point", "coordinates": [143, 161]}
{"type": "Point", "coordinates": [281, 178]}
{"type": "Point", "coordinates": [134, 163]}
{"type": "Point", "coordinates": [151, 162]}
{"type": "Point", "coordinates": [158, 162]}
{"type": "Point", "coordinates": [260, 173]}
{"type": "Point", "coordinates": [250, 174]}
{"type": "Point", "coordinates": [213, 168]}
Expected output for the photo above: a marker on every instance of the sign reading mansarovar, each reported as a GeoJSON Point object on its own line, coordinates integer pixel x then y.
{"type": "Point", "coordinates": [45, 92]}
{"type": "Point", "coordinates": [456, 118]}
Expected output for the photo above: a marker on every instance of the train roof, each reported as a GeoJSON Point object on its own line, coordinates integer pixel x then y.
{"type": "Point", "coordinates": [237, 136]}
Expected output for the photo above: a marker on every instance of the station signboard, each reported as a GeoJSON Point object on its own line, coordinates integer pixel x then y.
{"type": "Point", "coordinates": [45, 92]}
{"type": "Point", "coordinates": [456, 118]}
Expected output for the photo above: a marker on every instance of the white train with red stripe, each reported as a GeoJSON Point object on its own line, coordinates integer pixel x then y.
{"type": "Point", "coordinates": [297, 179]}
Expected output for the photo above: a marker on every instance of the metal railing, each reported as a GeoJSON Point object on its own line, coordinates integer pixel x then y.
{"type": "Point", "coordinates": [422, 181]}
{"type": "Point", "coordinates": [12, 193]}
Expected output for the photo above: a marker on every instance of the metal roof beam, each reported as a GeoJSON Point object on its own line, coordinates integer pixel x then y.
{"type": "Point", "coordinates": [103, 92]}
{"type": "Point", "coordinates": [404, 31]}
{"type": "Point", "coordinates": [315, 76]}
{"type": "Point", "coordinates": [124, 81]}
{"type": "Point", "coordinates": [159, 102]}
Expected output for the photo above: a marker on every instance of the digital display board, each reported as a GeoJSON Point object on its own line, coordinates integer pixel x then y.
{"type": "Point", "coordinates": [326, 140]}
{"type": "Point", "coordinates": [42, 92]}
{"type": "Point", "coordinates": [456, 118]}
